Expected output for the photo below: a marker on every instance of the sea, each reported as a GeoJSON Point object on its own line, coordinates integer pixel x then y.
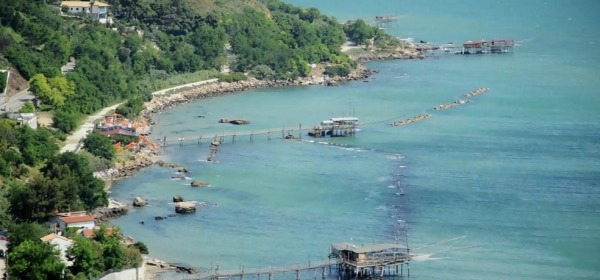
{"type": "Point", "coordinates": [504, 187]}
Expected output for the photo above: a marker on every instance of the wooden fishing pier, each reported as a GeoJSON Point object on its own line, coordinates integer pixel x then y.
{"type": "Point", "coordinates": [349, 261]}
{"type": "Point", "coordinates": [334, 127]}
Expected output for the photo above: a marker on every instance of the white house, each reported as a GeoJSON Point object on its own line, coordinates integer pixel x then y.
{"type": "Point", "coordinates": [78, 219]}
{"type": "Point", "coordinates": [97, 9]}
{"type": "Point", "coordinates": [62, 243]}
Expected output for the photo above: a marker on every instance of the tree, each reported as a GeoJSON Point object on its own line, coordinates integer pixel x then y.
{"type": "Point", "coordinates": [20, 233]}
{"type": "Point", "coordinates": [36, 145]}
{"type": "Point", "coordinates": [53, 91]}
{"type": "Point", "coordinates": [99, 145]}
{"type": "Point", "coordinates": [35, 260]}
{"type": "Point", "coordinates": [359, 32]}
{"type": "Point", "coordinates": [70, 173]}
{"type": "Point", "coordinates": [113, 254]}
{"type": "Point", "coordinates": [65, 121]}
{"type": "Point", "coordinates": [86, 257]}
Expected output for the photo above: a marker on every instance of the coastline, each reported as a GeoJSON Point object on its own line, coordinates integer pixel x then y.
{"type": "Point", "coordinates": [179, 95]}
{"type": "Point", "coordinates": [173, 97]}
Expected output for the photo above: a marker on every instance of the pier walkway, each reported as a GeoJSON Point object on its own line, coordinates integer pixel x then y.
{"type": "Point", "coordinates": [290, 132]}
{"type": "Point", "coordinates": [322, 267]}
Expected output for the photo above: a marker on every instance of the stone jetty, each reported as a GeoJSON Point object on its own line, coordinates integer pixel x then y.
{"type": "Point", "coordinates": [411, 120]}
{"type": "Point", "coordinates": [477, 92]}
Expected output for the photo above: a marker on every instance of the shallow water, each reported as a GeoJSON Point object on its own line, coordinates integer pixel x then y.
{"type": "Point", "coordinates": [515, 173]}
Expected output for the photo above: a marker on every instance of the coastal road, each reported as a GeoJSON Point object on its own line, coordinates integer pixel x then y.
{"type": "Point", "coordinates": [72, 141]}
{"type": "Point", "coordinates": [188, 85]}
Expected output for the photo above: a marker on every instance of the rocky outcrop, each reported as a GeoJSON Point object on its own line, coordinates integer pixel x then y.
{"type": "Point", "coordinates": [236, 122]}
{"type": "Point", "coordinates": [141, 160]}
{"type": "Point", "coordinates": [177, 198]}
{"type": "Point", "coordinates": [139, 202]}
{"type": "Point", "coordinates": [199, 184]}
{"type": "Point", "coordinates": [404, 53]}
{"type": "Point", "coordinates": [185, 207]}
{"type": "Point", "coordinates": [104, 214]}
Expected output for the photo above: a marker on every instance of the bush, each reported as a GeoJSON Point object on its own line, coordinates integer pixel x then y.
{"type": "Point", "coordinates": [141, 247]}
{"type": "Point", "coordinates": [233, 77]}
{"type": "Point", "coordinates": [338, 70]}
{"type": "Point", "coordinates": [65, 121]}
{"type": "Point", "coordinates": [96, 163]}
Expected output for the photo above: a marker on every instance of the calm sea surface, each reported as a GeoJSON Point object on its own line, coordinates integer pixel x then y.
{"type": "Point", "coordinates": [514, 175]}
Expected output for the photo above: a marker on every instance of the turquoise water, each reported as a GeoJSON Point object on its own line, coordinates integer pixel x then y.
{"type": "Point", "coordinates": [515, 174]}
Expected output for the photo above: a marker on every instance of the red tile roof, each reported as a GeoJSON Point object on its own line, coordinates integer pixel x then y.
{"type": "Point", "coordinates": [77, 219]}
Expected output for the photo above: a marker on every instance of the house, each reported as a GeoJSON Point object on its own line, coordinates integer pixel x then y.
{"type": "Point", "coordinates": [96, 9]}
{"type": "Point", "coordinates": [79, 219]}
{"type": "Point", "coordinates": [29, 119]}
{"type": "Point", "coordinates": [62, 243]}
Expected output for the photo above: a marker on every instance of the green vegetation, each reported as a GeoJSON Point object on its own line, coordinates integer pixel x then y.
{"type": "Point", "coordinates": [101, 253]}
{"type": "Point", "coordinates": [3, 77]}
{"type": "Point", "coordinates": [233, 77]}
{"type": "Point", "coordinates": [99, 145]}
{"type": "Point", "coordinates": [35, 260]}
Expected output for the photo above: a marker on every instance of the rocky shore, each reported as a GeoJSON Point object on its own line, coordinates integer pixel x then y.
{"type": "Point", "coordinates": [163, 102]}
{"type": "Point", "coordinates": [143, 158]}
{"type": "Point", "coordinates": [409, 53]}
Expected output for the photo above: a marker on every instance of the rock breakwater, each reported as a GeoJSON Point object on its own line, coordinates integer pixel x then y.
{"type": "Point", "coordinates": [411, 120]}
{"type": "Point", "coordinates": [451, 105]}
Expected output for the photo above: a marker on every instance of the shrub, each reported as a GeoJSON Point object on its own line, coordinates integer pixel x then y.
{"type": "Point", "coordinates": [337, 70]}
{"type": "Point", "coordinates": [233, 77]}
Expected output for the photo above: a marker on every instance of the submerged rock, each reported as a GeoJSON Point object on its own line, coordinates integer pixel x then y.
{"type": "Point", "coordinates": [199, 184]}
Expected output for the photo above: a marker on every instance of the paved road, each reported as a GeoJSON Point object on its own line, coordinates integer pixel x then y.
{"type": "Point", "coordinates": [15, 102]}
{"type": "Point", "coordinates": [72, 141]}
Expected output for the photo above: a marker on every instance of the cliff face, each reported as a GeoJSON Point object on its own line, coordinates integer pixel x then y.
{"type": "Point", "coordinates": [16, 83]}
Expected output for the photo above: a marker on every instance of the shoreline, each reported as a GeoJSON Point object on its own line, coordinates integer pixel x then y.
{"type": "Point", "coordinates": [183, 94]}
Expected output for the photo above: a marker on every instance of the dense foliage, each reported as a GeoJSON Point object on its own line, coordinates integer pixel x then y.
{"type": "Point", "coordinates": [99, 145]}
{"type": "Point", "coordinates": [101, 253]}
{"type": "Point", "coordinates": [35, 260]}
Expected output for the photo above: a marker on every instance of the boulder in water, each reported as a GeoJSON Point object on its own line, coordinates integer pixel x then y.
{"type": "Point", "coordinates": [185, 207]}
{"type": "Point", "coordinates": [177, 198]}
{"type": "Point", "coordinates": [139, 202]}
{"type": "Point", "coordinates": [199, 184]}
